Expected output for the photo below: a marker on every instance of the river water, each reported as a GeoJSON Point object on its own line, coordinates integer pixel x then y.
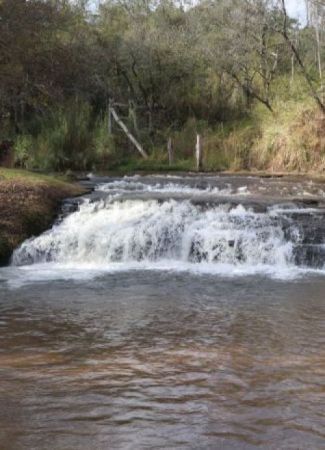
{"type": "Point", "coordinates": [169, 312]}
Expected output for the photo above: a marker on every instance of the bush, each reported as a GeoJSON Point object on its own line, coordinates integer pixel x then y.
{"type": "Point", "coordinates": [104, 147]}
{"type": "Point", "coordinates": [65, 140]}
{"type": "Point", "coordinates": [69, 138]}
{"type": "Point", "coordinates": [24, 155]}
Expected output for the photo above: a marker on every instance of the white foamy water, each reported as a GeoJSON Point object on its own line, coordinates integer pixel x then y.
{"type": "Point", "coordinates": [133, 184]}
{"type": "Point", "coordinates": [137, 230]}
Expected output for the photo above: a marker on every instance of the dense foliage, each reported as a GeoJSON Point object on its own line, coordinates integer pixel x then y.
{"type": "Point", "coordinates": [169, 69]}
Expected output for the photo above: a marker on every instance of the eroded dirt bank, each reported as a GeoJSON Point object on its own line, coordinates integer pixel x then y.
{"type": "Point", "coordinates": [28, 205]}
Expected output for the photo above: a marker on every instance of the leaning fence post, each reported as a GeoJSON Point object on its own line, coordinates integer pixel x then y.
{"type": "Point", "coordinates": [198, 152]}
{"type": "Point", "coordinates": [170, 150]}
{"type": "Point", "coordinates": [130, 136]}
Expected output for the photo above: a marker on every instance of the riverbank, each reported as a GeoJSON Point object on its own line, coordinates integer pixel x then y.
{"type": "Point", "coordinates": [29, 203]}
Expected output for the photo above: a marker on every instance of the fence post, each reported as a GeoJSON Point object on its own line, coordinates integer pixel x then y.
{"type": "Point", "coordinates": [170, 150]}
{"type": "Point", "coordinates": [198, 152]}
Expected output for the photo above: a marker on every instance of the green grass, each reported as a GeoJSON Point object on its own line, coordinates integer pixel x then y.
{"type": "Point", "coordinates": [152, 165]}
{"type": "Point", "coordinates": [55, 180]}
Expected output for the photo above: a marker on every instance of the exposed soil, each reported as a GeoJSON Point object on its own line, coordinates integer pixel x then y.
{"type": "Point", "coordinates": [27, 208]}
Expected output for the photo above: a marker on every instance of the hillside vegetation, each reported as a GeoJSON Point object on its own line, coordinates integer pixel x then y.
{"type": "Point", "coordinates": [291, 139]}
{"type": "Point", "coordinates": [242, 73]}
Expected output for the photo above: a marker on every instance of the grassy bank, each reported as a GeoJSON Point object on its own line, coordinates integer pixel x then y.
{"type": "Point", "coordinates": [28, 205]}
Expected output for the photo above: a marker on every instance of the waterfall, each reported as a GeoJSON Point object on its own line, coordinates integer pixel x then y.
{"type": "Point", "coordinates": [174, 228]}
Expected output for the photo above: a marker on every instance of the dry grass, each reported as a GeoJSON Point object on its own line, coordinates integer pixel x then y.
{"type": "Point", "coordinates": [292, 140]}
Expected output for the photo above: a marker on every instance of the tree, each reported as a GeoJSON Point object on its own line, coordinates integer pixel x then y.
{"type": "Point", "coordinates": [241, 43]}
{"type": "Point", "coordinates": [284, 30]}
{"type": "Point", "coordinates": [316, 18]}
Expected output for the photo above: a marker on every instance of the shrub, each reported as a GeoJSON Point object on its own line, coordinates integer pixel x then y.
{"type": "Point", "coordinates": [24, 153]}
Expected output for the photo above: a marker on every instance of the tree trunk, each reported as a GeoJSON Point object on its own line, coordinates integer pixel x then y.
{"type": "Point", "coordinates": [295, 52]}
{"type": "Point", "coordinates": [109, 118]}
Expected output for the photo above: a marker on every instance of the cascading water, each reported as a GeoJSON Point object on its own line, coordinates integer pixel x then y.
{"type": "Point", "coordinates": [133, 221]}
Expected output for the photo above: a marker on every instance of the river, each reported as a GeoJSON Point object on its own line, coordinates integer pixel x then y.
{"type": "Point", "coordinates": [169, 312]}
